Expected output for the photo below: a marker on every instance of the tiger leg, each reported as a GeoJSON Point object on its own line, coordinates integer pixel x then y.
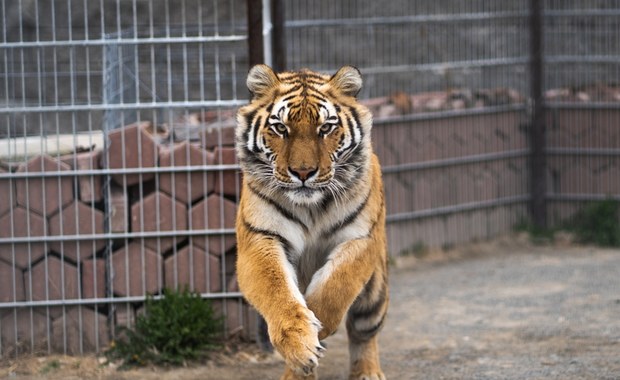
{"type": "Point", "coordinates": [338, 282]}
{"type": "Point", "coordinates": [364, 320]}
{"type": "Point", "coordinates": [268, 282]}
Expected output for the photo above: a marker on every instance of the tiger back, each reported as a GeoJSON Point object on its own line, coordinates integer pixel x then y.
{"type": "Point", "coordinates": [311, 221]}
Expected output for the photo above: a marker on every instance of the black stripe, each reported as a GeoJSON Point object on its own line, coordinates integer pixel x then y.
{"type": "Point", "coordinates": [289, 98]}
{"type": "Point", "coordinates": [349, 218]}
{"type": "Point", "coordinates": [372, 331]}
{"type": "Point", "coordinates": [357, 120]}
{"type": "Point", "coordinates": [359, 312]}
{"type": "Point", "coordinates": [286, 213]}
{"type": "Point", "coordinates": [286, 245]}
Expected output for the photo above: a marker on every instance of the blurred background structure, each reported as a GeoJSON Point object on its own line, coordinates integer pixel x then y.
{"type": "Point", "coordinates": [117, 169]}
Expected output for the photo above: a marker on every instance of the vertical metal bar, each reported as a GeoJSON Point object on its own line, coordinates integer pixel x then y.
{"type": "Point", "coordinates": [278, 37]}
{"type": "Point", "coordinates": [255, 32]}
{"type": "Point", "coordinates": [538, 207]}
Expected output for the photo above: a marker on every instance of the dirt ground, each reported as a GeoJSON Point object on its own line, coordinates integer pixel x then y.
{"type": "Point", "coordinates": [505, 309]}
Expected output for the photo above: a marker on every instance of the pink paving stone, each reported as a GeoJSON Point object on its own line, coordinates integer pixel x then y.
{"type": "Point", "coordinates": [218, 128]}
{"type": "Point", "coordinates": [227, 182]}
{"type": "Point", "coordinates": [189, 268]}
{"type": "Point", "coordinates": [31, 328]}
{"type": "Point", "coordinates": [215, 212]}
{"type": "Point", "coordinates": [79, 330]}
{"type": "Point", "coordinates": [21, 223]}
{"type": "Point", "coordinates": [77, 219]}
{"type": "Point", "coordinates": [159, 212]}
{"type": "Point", "coordinates": [7, 192]}
{"type": "Point", "coordinates": [119, 209]}
{"type": "Point", "coordinates": [240, 319]}
{"type": "Point", "coordinates": [93, 278]}
{"type": "Point", "coordinates": [90, 187]}
{"type": "Point", "coordinates": [44, 195]}
{"type": "Point", "coordinates": [54, 280]}
{"type": "Point", "coordinates": [186, 186]}
{"type": "Point", "coordinates": [132, 147]}
{"type": "Point", "coordinates": [12, 288]}
{"type": "Point", "coordinates": [136, 270]}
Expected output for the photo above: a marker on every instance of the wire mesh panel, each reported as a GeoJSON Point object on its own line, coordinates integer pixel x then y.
{"type": "Point", "coordinates": [447, 83]}
{"type": "Point", "coordinates": [118, 176]}
{"type": "Point", "coordinates": [582, 55]}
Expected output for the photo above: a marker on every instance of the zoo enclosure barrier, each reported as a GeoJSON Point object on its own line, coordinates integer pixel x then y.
{"type": "Point", "coordinates": [117, 126]}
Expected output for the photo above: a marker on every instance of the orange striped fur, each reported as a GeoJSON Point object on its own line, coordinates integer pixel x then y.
{"type": "Point", "coordinates": [311, 221]}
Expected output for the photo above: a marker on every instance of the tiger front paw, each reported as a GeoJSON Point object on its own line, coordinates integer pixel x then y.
{"type": "Point", "coordinates": [297, 340]}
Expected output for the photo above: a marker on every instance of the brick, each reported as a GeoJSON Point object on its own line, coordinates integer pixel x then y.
{"type": "Point", "coordinates": [52, 279]}
{"type": "Point", "coordinates": [12, 289]}
{"type": "Point", "coordinates": [239, 318]}
{"type": "Point", "coordinates": [31, 328]}
{"type": "Point", "coordinates": [77, 219]}
{"type": "Point", "coordinates": [90, 186]}
{"type": "Point", "coordinates": [227, 182]}
{"type": "Point", "coordinates": [79, 330]}
{"type": "Point", "coordinates": [21, 223]}
{"type": "Point", "coordinates": [125, 316]}
{"type": "Point", "coordinates": [8, 199]}
{"type": "Point", "coordinates": [159, 212]}
{"type": "Point", "coordinates": [119, 209]}
{"type": "Point", "coordinates": [136, 270]}
{"type": "Point", "coordinates": [132, 147]}
{"type": "Point", "coordinates": [186, 187]}
{"type": "Point", "coordinates": [46, 195]}
{"type": "Point", "coordinates": [189, 267]}
{"type": "Point", "coordinates": [214, 212]}
{"type": "Point", "coordinates": [214, 132]}
{"type": "Point", "coordinates": [93, 278]}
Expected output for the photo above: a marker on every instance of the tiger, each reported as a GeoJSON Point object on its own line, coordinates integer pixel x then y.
{"type": "Point", "coordinates": [310, 227]}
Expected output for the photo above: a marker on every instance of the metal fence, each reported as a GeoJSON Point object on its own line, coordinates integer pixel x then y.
{"type": "Point", "coordinates": [118, 177]}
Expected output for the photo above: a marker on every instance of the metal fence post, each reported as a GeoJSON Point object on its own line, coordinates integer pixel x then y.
{"type": "Point", "coordinates": [538, 188]}
{"type": "Point", "coordinates": [255, 32]}
{"type": "Point", "coordinates": [278, 38]}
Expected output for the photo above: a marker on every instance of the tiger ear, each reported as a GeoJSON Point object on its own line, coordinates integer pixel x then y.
{"type": "Point", "coordinates": [261, 79]}
{"type": "Point", "coordinates": [348, 80]}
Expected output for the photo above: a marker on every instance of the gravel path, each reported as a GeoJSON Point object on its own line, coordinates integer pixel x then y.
{"type": "Point", "coordinates": [494, 311]}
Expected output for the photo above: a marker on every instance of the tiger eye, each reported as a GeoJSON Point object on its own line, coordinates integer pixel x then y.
{"type": "Point", "coordinates": [325, 128]}
{"type": "Point", "coordinates": [280, 128]}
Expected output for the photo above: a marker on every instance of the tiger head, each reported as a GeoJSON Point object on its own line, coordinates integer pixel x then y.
{"type": "Point", "coordinates": [304, 134]}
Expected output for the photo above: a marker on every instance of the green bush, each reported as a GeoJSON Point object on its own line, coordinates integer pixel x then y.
{"type": "Point", "coordinates": [598, 223]}
{"type": "Point", "coordinates": [174, 329]}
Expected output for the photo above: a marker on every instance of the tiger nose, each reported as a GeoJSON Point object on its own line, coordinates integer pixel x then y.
{"type": "Point", "coordinates": [302, 173]}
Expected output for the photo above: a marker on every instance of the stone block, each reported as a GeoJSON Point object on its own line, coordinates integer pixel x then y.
{"type": "Point", "coordinates": [186, 187]}
{"type": "Point", "coordinates": [239, 318]}
{"type": "Point", "coordinates": [217, 129]}
{"type": "Point", "coordinates": [21, 223]}
{"type": "Point", "coordinates": [136, 270]}
{"type": "Point", "coordinates": [79, 330]}
{"type": "Point", "coordinates": [193, 268]}
{"type": "Point", "coordinates": [119, 209]}
{"type": "Point", "coordinates": [90, 187]}
{"type": "Point", "coordinates": [77, 219]}
{"type": "Point", "coordinates": [24, 331]}
{"type": "Point", "coordinates": [214, 212]}
{"type": "Point", "coordinates": [93, 278]}
{"type": "Point", "coordinates": [44, 195]}
{"type": "Point", "coordinates": [8, 199]}
{"type": "Point", "coordinates": [227, 182]}
{"type": "Point", "coordinates": [52, 279]}
{"type": "Point", "coordinates": [132, 147]}
{"type": "Point", "coordinates": [159, 212]}
{"type": "Point", "coordinates": [12, 289]}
